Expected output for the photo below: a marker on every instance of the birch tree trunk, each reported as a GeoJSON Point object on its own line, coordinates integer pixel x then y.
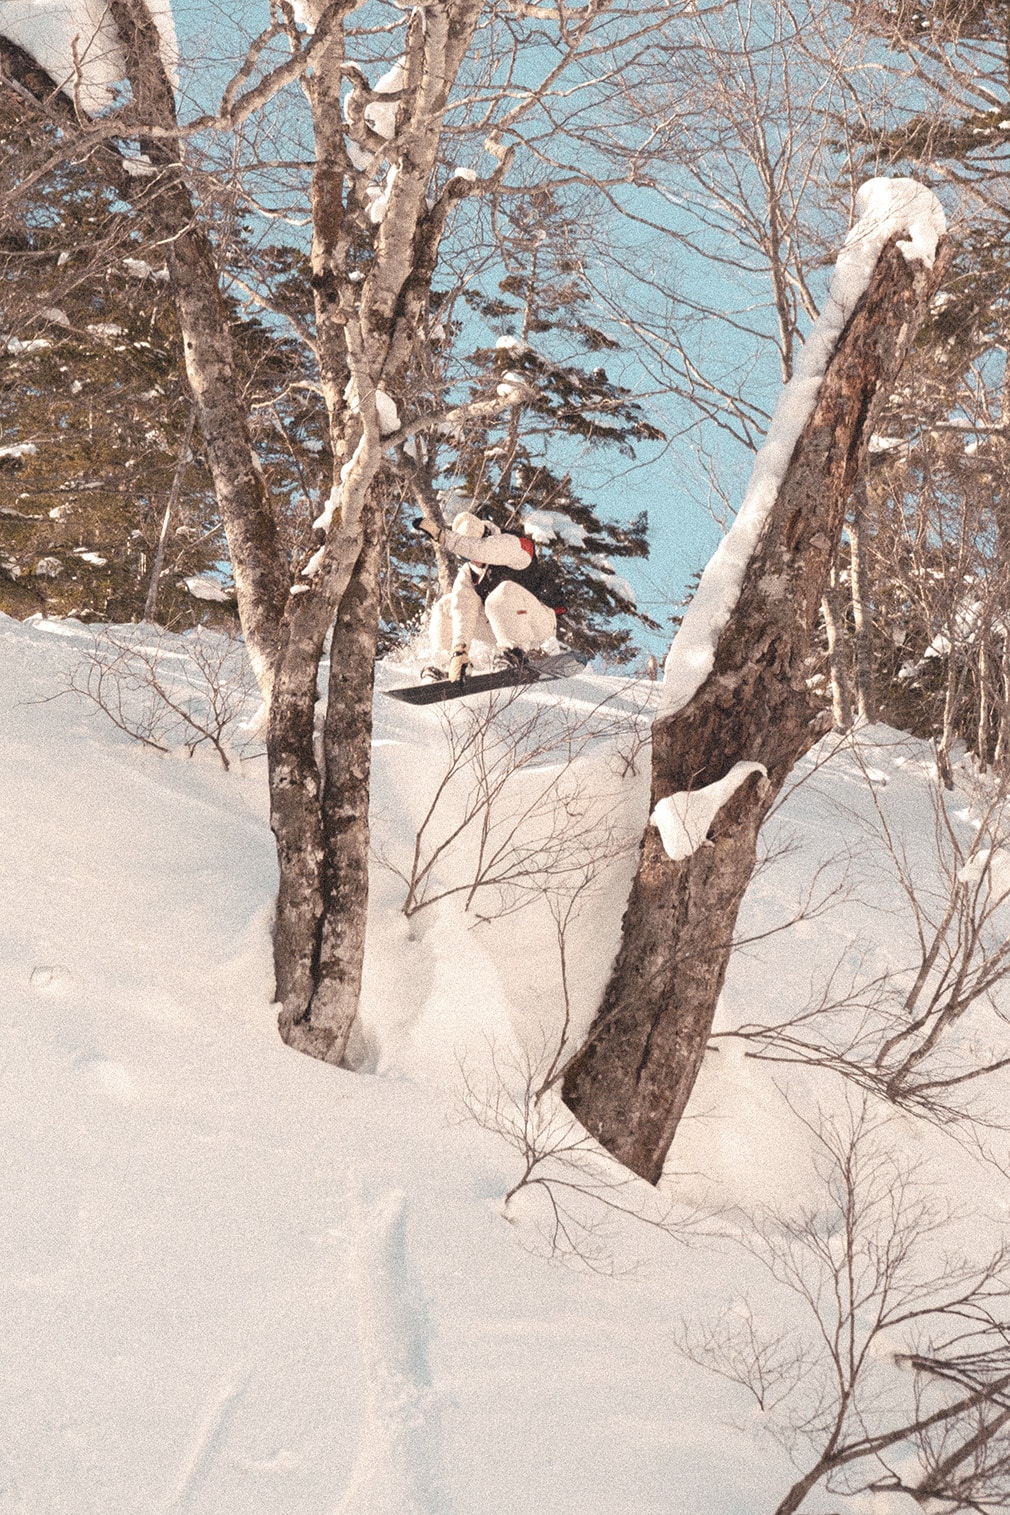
{"type": "Point", "coordinates": [630, 1082]}
{"type": "Point", "coordinates": [1002, 748]}
{"type": "Point", "coordinates": [866, 702]}
{"type": "Point", "coordinates": [1003, 728]}
{"type": "Point", "coordinates": [319, 935]}
{"type": "Point", "coordinates": [831, 609]}
{"type": "Point", "coordinates": [157, 567]}
{"type": "Point", "coordinates": [983, 746]}
{"type": "Point", "coordinates": [366, 329]}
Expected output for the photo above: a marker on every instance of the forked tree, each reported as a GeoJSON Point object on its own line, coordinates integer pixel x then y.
{"type": "Point", "coordinates": [382, 191]}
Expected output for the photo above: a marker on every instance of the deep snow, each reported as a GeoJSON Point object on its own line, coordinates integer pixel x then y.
{"type": "Point", "coordinates": [238, 1281]}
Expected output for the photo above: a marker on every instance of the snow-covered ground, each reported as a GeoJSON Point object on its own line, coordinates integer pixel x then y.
{"type": "Point", "coordinates": [239, 1282]}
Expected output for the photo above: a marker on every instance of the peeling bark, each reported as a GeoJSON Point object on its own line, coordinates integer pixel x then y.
{"type": "Point", "coordinates": [630, 1082]}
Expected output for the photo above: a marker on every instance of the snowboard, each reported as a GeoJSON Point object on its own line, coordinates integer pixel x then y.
{"type": "Point", "coordinates": [560, 665]}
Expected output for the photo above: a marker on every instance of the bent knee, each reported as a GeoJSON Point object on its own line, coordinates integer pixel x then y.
{"type": "Point", "coordinates": [518, 618]}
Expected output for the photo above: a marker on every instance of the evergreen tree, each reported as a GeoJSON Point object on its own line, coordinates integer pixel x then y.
{"type": "Point", "coordinates": [103, 483]}
{"type": "Point", "coordinates": [515, 465]}
{"type": "Point", "coordinates": [97, 441]}
{"type": "Point", "coordinates": [92, 409]}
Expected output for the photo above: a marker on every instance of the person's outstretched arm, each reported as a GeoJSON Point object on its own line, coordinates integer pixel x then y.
{"type": "Point", "coordinates": [505, 551]}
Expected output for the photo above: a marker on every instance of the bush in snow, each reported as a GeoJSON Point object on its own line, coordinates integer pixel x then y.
{"type": "Point", "coordinates": [169, 692]}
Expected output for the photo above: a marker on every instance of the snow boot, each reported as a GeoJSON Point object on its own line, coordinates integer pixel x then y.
{"type": "Point", "coordinates": [514, 657]}
{"type": "Point", "coordinates": [459, 664]}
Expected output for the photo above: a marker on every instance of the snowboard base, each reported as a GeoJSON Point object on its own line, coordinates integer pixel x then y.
{"type": "Point", "coordinates": [559, 666]}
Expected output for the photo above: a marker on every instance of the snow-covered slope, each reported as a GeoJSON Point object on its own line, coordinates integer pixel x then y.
{"type": "Point", "coordinates": [238, 1282]}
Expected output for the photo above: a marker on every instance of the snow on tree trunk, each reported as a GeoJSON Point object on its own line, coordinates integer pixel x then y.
{"type": "Point", "coordinates": [366, 331]}
{"type": "Point", "coordinates": [630, 1082]}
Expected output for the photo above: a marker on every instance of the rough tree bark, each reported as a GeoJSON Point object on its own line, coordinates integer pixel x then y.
{"type": "Point", "coordinates": [630, 1082]}
{"type": "Point", "coordinates": [366, 330]}
{"type": "Point", "coordinates": [373, 257]}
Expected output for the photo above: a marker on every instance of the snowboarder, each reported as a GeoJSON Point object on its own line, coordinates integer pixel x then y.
{"type": "Point", "coordinates": [487, 600]}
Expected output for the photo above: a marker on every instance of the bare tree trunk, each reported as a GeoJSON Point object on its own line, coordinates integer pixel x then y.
{"type": "Point", "coordinates": [366, 330]}
{"type": "Point", "coordinates": [951, 701]}
{"type": "Point", "coordinates": [982, 742]}
{"type": "Point", "coordinates": [1003, 735]}
{"type": "Point", "coordinates": [631, 1080]}
{"type": "Point", "coordinates": [151, 603]}
{"type": "Point", "coordinates": [285, 633]}
{"type": "Point", "coordinates": [866, 704]}
{"type": "Point", "coordinates": [366, 327]}
{"type": "Point", "coordinates": [1002, 608]}
{"type": "Point", "coordinates": [841, 704]}
{"type": "Point", "coordinates": [260, 574]}
{"type": "Point", "coordinates": [322, 964]}
{"type": "Point", "coordinates": [347, 745]}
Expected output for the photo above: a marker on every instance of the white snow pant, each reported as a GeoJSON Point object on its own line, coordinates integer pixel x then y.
{"type": "Point", "coordinates": [509, 617]}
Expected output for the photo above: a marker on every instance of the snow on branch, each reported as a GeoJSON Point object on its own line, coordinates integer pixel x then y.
{"type": "Point", "coordinates": [683, 820]}
{"type": "Point", "coordinates": [885, 208]}
{"type": "Point", "coordinates": [77, 44]}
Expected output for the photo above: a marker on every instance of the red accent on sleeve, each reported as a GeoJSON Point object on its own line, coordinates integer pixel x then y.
{"type": "Point", "coordinates": [526, 543]}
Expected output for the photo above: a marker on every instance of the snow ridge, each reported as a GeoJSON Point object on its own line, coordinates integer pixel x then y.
{"type": "Point", "coordinates": [884, 207]}
{"type": "Point", "coordinates": [395, 1472]}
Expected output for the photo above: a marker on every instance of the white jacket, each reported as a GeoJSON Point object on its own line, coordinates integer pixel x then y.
{"type": "Point", "coordinates": [504, 550]}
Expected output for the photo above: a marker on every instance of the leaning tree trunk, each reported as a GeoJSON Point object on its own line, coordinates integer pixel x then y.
{"type": "Point", "coordinates": [631, 1080]}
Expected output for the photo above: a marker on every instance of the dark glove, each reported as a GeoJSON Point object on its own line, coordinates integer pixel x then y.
{"type": "Point", "coordinates": [429, 529]}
